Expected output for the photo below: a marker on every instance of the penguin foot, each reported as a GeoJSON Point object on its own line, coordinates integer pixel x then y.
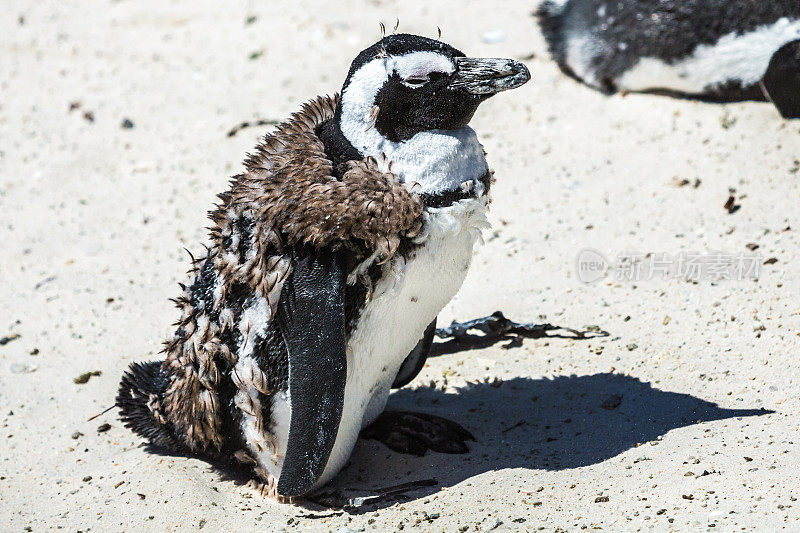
{"type": "Point", "coordinates": [268, 488]}
{"type": "Point", "coordinates": [416, 433]}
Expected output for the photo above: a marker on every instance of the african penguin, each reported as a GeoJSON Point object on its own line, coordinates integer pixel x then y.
{"type": "Point", "coordinates": [713, 49]}
{"type": "Point", "coordinates": [330, 257]}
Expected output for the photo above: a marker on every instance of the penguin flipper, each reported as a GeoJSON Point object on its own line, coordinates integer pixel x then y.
{"type": "Point", "coordinates": [312, 323]}
{"type": "Point", "coordinates": [412, 365]}
{"type": "Point", "coordinates": [781, 82]}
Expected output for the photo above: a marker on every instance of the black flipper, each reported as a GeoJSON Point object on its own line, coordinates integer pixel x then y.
{"type": "Point", "coordinates": [140, 392]}
{"type": "Point", "coordinates": [416, 359]}
{"type": "Point", "coordinates": [781, 82]}
{"type": "Point", "coordinates": [311, 320]}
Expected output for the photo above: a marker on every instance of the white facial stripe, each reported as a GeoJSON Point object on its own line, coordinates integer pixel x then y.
{"type": "Point", "coordinates": [419, 64]}
{"type": "Point", "coordinates": [359, 96]}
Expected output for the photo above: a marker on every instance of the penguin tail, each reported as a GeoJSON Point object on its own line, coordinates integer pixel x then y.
{"type": "Point", "coordinates": [140, 399]}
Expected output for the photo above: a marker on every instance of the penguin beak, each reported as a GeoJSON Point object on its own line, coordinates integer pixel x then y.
{"type": "Point", "coordinates": [487, 76]}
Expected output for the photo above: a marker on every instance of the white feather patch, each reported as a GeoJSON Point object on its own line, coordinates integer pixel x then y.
{"type": "Point", "coordinates": [405, 301]}
{"type": "Point", "coordinates": [733, 57]}
{"type": "Point", "coordinates": [266, 445]}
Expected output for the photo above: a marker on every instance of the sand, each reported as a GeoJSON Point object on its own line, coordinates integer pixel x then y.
{"type": "Point", "coordinates": [684, 417]}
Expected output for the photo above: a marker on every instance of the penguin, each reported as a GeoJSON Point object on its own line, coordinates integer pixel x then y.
{"type": "Point", "coordinates": [781, 82]}
{"type": "Point", "coordinates": [330, 257]}
{"type": "Point", "coordinates": [716, 50]}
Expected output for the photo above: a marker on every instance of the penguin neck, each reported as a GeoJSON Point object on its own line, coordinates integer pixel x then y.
{"type": "Point", "coordinates": [432, 162]}
{"type": "Point", "coordinates": [338, 149]}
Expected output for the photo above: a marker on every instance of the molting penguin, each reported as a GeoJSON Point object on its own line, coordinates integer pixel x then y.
{"type": "Point", "coordinates": [330, 258]}
{"type": "Point", "coordinates": [714, 49]}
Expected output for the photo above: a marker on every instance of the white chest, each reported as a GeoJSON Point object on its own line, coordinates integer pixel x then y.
{"type": "Point", "coordinates": [435, 161]}
{"type": "Point", "coordinates": [405, 301]}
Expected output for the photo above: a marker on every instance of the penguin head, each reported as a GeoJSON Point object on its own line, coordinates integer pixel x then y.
{"type": "Point", "coordinates": [405, 84]}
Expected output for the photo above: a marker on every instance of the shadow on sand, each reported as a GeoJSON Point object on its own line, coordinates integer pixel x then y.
{"type": "Point", "coordinates": [539, 424]}
{"type": "Point", "coordinates": [550, 424]}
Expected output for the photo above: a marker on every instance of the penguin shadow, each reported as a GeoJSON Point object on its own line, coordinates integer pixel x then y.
{"type": "Point", "coordinates": [539, 424]}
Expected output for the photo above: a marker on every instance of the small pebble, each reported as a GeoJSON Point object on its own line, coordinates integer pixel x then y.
{"type": "Point", "coordinates": [612, 402]}
{"type": "Point", "coordinates": [102, 428]}
{"type": "Point", "coordinates": [494, 525]}
{"type": "Point", "coordinates": [83, 378]}
{"type": "Point", "coordinates": [8, 338]}
{"type": "Point", "coordinates": [23, 368]}
{"type": "Point", "coordinates": [493, 37]}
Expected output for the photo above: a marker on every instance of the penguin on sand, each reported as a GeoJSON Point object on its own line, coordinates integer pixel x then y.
{"type": "Point", "coordinates": [330, 257]}
{"type": "Point", "coordinates": [716, 50]}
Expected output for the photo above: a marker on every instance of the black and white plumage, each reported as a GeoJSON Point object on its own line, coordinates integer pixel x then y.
{"type": "Point", "coordinates": [330, 260]}
{"type": "Point", "coordinates": [719, 49]}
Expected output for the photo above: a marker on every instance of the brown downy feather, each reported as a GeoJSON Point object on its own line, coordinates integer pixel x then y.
{"type": "Point", "coordinates": [288, 195]}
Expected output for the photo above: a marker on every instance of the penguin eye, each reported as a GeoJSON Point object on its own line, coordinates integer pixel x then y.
{"type": "Point", "coordinates": [415, 81]}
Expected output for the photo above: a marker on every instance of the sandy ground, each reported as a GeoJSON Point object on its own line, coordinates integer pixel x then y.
{"type": "Point", "coordinates": [683, 418]}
